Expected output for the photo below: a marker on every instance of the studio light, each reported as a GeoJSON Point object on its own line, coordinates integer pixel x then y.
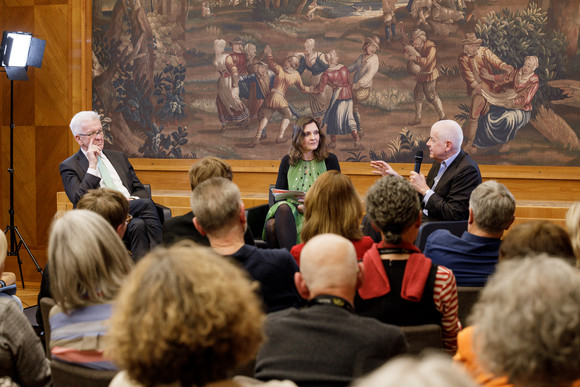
{"type": "Point", "coordinates": [20, 50]}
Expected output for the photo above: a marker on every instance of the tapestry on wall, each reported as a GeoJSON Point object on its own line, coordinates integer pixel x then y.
{"type": "Point", "coordinates": [187, 79]}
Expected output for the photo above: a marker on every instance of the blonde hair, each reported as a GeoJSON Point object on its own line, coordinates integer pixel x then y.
{"type": "Point", "coordinates": [187, 315]}
{"type": "Point", "coordinates": [88, 261]}
{"type": "Point", "coordinates": [332, 205]}
{"type": "Point", "coordinates": [573, 226]}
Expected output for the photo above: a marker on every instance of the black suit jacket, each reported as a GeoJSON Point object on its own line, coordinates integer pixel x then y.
{"type": "Point", "coordinates": [451, 198]}
{"type": "Point", "coordinates": [181, 227]}
{"type": "Point", "coordinates": [77, 182]}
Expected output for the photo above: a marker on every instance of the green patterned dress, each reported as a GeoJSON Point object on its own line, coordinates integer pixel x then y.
{"type": "Point", "coordinates": [300, 178]}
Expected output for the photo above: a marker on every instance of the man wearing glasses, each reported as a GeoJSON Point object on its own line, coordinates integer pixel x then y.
{"type": "Point", "coordinates": [92, 167]}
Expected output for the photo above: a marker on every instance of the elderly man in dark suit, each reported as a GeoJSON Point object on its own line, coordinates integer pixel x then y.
{"type": "Point", "coordinates": [92, 167]}
{"type": "Point", "coordinates": [446, 190]}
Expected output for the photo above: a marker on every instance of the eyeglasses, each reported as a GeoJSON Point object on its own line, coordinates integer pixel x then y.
{"type": "Point", "coordinates": [129, 217]}
{"type": "Point", "coordinates": [90, 134]}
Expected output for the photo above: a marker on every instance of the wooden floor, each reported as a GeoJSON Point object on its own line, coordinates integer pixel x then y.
{"type": "Point", "coordinates": [29, 295]}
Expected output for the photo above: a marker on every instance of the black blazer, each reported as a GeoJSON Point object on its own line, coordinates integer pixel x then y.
{"type": "Point", "coordinates": [451, 198]}
{"type": "Point", "coordinates": [77, 182]}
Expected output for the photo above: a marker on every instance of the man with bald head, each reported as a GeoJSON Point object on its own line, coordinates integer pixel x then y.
{"type": "Point", "coordinates": [326, 343]}
{"type": "Point", "coordinates": [453, 175]}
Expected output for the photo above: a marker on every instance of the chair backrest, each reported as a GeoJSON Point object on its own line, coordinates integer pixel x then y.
{"type": "Point", "coordinates": [420, 337]}
{"type": "Point", "coordinates": [456, 227]}
{"type": "Point", "coordinates": [46, 304]}
{"type": "Point", "coordinates": [256, 217]}
{"type": "Point", "coordinates": [467, 296]}
{"type": "Point", "coordinates": [65, 375]}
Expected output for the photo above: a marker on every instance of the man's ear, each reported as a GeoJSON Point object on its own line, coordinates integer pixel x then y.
{"type": "Point", "coordinates": [510, 223]}
{"type": "Point", "coordinates": [197, 226]}
{"type": "Point", "coordinates": [243, 213]}
{"type": "Point", "coordinates": [301, 285]}
{"type": "Point", "coordinates": [121, 229]}
{"type": "Point", "coordinates": [471, 219]}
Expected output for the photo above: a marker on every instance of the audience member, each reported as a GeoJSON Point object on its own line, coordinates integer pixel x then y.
{"type": "Point", "coordinates": [473, 256]}
{"type": "Point", "coordinates": [87, 265]}
{"type": "Point", "coordinates": [539, 236]}
{"type": "Point", "coordinates": [333, 206]}
{"type": "Point", "coordinates": [22, 359]}
{"type": "Point", "coordinates": [308, 159]}
{"type": "Point", "coordinates": [527, 326]}
{"type": "Point", "coordinates": [219, 214]}
{"type": "Point", "coordinates": [446, 190]}
{"type": "Point", "coordinates": [8, 279]}
{"type": "Point", "coordinates": [92, 167]}
{"type": "Point", "coordinates": [434, 370]}
{"type": "Point", "coordinates": [181, 227]}
{"type": "Point", "coordinates": [402, 286]}
{"type": "Point", "coordinates": [326, 343]}
{"type": "Point", "coordinates": [112, 206]}
{"type": "Point", "coordinates": [573, 226]}
{"type": "Point", "coordinates": [184, 317]}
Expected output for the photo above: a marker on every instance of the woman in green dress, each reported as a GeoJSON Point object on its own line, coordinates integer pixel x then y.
{"type": "Point", "coordinates": [307, 159]}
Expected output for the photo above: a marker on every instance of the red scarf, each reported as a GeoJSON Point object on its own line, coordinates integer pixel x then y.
{"type": "Point", "coordinates": [376, 282]}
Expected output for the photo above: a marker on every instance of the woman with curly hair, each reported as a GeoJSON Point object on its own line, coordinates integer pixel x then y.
{"type": "Point", "coordinates": [307, 159]}
{"type": "Point", "coordinates": [87, 263]}
{"type": "Point", "coordinates": [332, 206]}
{"type": "Point", "coordinates": [402, 286]}
{"type": "Point", "coordinates": [186, 316]}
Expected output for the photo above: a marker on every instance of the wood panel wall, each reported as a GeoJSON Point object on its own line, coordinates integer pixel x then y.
{"type": "Point", "coordinates": [44, 105]}
{"type": "Point", "coordinates": [42, 109]}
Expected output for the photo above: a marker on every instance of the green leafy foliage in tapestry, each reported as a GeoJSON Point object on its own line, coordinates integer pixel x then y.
{"type": "Point", "coordinates": [514, 35]}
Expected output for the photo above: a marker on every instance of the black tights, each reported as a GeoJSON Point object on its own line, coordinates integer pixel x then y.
{"type": "Point", "coordinates": [281, 230]}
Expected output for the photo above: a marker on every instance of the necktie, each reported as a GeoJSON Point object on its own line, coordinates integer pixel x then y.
{"type": "Point", "coordinates": [105, 175]}
{"type": "Point", "coordinates": [442, 169]}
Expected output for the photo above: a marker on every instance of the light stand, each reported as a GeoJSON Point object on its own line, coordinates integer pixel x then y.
{"type": "Point", "coordinates": [19, 50]}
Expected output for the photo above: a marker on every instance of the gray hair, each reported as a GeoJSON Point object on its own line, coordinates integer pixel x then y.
{"type": "Point", "coordinates": [450, 131]}
{"type": "Point", "coordinates": [392, 205]}
{"type": "Point", "coordinates": [573, 227]}
{"type": "Point", "coordinates": [88, 260]}
{"type": "Point", "coordinates": [434, 370]}
{"type": "Point", "coordinates": [493, 206]}
{"type": "Point", "coordinates": [527, 321]}
{"type": "Point", "coordinates": [216, 203]}
{"type": "Point", "coordinates": [80, 118]}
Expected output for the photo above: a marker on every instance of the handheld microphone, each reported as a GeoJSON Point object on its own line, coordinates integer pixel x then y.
{"type": "Point", "coordinates": [418, 161]}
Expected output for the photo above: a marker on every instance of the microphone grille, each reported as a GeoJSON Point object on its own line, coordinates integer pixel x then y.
{"type": "Point", "coordinates": [419, 153]}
